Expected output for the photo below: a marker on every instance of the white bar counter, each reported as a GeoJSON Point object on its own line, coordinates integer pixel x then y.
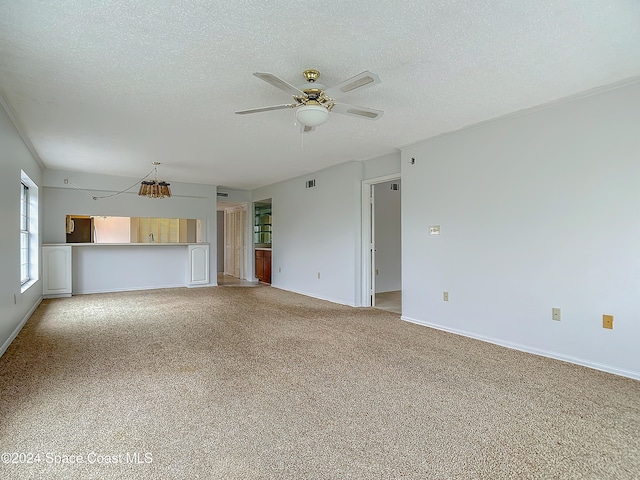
{"type": "Point", "coordinates": [116, 267]}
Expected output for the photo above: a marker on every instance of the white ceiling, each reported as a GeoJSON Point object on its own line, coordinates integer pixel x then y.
{"type": "Point", "coordinates": [110, 86]}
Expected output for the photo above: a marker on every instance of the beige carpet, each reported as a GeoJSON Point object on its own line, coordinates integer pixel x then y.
{"type": "Point", "coordinates": [257, 383]}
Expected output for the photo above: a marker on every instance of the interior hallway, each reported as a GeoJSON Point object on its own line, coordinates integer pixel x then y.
{"type": "Point", "coordinates": [229, 281]}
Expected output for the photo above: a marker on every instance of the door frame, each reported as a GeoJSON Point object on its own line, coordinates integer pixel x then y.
{"type": "Point", "coordinates": [368, 282]}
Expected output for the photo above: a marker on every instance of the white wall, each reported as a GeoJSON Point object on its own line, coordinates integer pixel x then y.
{"type": "Point", "coordinates": [116, 268]}
{"type": "Point", "coordinates": [381, 166]}
{"type": "Point", "coordinates": [388, 244]}
{"type": "Point", "coordinates": [233, 196]}
{"type": "Point", "coordinates": [536, 211]}
{"type": "Point", "coordinates": [317, 230]}
{"type": "Point", "coordinates": [188, 201]}
{"type": "Point", "coordinates": [15, 307]}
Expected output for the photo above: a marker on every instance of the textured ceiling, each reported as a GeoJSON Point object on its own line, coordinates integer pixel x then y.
{"type": "Point", "coordinates": [108, 87]}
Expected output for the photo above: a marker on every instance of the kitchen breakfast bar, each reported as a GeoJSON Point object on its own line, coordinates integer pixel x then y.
{"type": "Point", "coordinates": [79, 268]}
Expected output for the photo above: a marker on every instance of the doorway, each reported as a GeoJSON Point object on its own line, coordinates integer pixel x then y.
{"type": "Point", "coordinates": [382, 243]}
{"type": "Point", "coordinates": [232, 243]}
{"type": "Point", "coordinates": [262, 231]}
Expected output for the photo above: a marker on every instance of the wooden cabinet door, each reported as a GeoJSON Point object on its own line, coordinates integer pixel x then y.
{"type": "Point", "coordinates": [267, 266]}
{"type": "Point", "coordinates": [198, 264]}
{"type": "Point", "coordinates": [56, 271]}
{"type": "Point", "coordinates": [260, 265]}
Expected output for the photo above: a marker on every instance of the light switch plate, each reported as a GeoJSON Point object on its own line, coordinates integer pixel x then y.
{"type": "Point", "coordinates": [434, 230]}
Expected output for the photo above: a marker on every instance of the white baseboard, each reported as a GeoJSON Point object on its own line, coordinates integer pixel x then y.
{"type": "Point", "coordinates": [130, 289]}
{"type": "Point", "coordinates": [313, 295]}
{"type": "Point", "coordinates": [15, 333]}
{"type": "Point", "coordinates": [527, 349]}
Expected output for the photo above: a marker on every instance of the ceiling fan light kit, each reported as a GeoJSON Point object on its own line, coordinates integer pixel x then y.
{"type": "Point", "coordinates": [314, 101]}
{"type": "Point", "coordinates": [312, 115]}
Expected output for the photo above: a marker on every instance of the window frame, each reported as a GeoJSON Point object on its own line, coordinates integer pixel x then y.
{"type": "Point", "coordinates": [29, 238]}
{"type": "Point", "coordinates": [25, 235]}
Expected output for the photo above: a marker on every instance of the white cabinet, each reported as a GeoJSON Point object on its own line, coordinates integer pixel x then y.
{"type": "Point", "coordinates": [198, 265]}
{"type": "Point", "coordinates": [56, 271]}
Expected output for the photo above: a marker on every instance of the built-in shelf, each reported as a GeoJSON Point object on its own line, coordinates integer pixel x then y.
{"type": "Point", "coordinates": [262, 240]}
{"type": "Point", "coordinates": [262, 225]}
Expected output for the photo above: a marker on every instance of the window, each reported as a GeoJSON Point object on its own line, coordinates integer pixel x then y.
{"type": "Point", "coordinates": [24, 234]}
{"type": "Point", "coordinates": [29, 242]}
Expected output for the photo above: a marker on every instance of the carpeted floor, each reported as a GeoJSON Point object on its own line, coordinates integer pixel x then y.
{"type": "Point", "coordinates": [258, 383]}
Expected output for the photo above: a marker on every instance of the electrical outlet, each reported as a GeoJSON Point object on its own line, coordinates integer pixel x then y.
{"type": "Point", "coordinates": [445, 296]}
{"type": "Point", "coordinates": [607, 321]}
{"type": "Point", "coordinates": [555, 314]}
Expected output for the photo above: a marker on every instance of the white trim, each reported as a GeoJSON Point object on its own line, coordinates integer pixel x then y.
{"type": "Point", "coordinates": [57, 295]}
{"type": "Point", "coordinates": [366, 240]}
{"type": "Point", "coordinates": [527, 349]}
{"type": "Point", "coordinates": [133, 289]}
{"type": "Point", "coordinates": [33, 219]}
{"type": "Point", "coordinates": [22, 323]}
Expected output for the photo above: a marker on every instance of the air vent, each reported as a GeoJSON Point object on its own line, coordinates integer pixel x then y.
{"type": "Point", "coordinates": [310, 183]}
{"type": "Point", "coordinates": [395, 186]}
{"type": "Point", "coordinates": [223, 194]}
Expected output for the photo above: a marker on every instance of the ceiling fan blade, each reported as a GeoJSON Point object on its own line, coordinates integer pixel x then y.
{"type": "Point", "coordinates": [362, 112]}
{"type": "Point", "coordinates": [305, 129]}
{"type": "Point", "coordinates": [266, 109]}
{"type": "Point", "coordinates": [279, 83]}
{"type": "Point", "coordinates": [363, 80]}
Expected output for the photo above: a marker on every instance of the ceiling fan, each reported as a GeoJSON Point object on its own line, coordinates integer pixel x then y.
{"type": "Point", "coordinates": [313, 101]}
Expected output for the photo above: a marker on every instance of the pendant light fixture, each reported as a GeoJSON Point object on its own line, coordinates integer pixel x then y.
{"type": "Point", "coordinates": [154, 188]}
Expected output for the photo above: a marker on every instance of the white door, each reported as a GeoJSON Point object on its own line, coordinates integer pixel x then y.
{"type": "Point", "coordinates": [234, 231]}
